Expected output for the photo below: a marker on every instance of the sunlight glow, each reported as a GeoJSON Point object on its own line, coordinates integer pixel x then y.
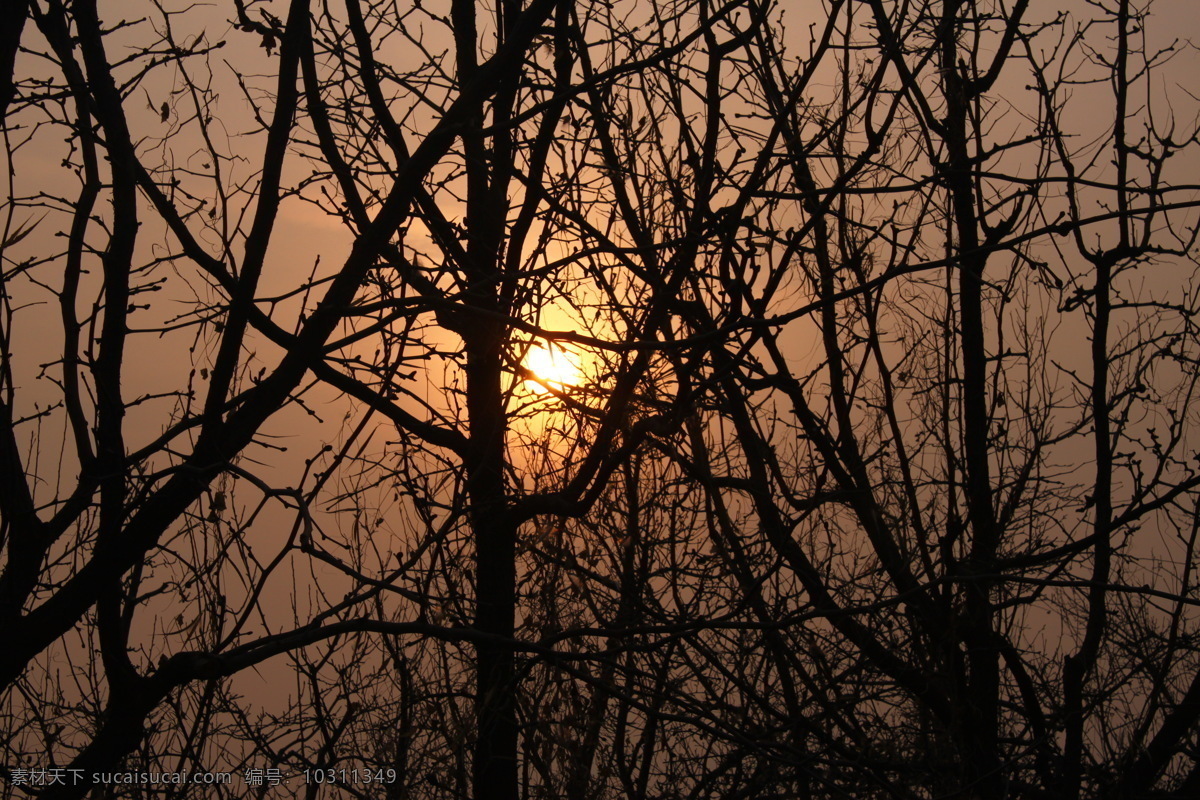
{"type": "Point", "coordinates": [552, 367]}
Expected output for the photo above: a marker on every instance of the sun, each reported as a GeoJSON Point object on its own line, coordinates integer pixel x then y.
{"type": "Point", "coordinates": [552, 367]}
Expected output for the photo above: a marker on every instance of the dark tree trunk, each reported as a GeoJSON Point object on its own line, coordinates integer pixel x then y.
{"type": "Point", "coordinates": [495, 764]}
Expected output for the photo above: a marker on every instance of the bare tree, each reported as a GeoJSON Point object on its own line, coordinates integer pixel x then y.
{"type": "Point", "coordinates": [600, 400]}
{"type": "Point", "coordinates": [149, 553]}
{"type": "Point", "coordinates": [951, 393]}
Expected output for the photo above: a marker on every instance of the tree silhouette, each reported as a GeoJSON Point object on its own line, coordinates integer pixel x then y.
{"type": "Point", "coordinates": [872, 474]}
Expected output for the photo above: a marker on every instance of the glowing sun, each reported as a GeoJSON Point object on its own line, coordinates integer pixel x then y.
{"type": "Point", "coordinates": [553, 367]}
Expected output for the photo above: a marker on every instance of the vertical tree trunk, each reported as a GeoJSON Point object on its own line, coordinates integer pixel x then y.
{"type": "Point", "coordinates": [1078, 667]}
{"type": "Point", "coordinates": [495, 761]}
{"type": "Point", "coordinates": [979, 715]}
{"type": "Point", "coordinates": [494, 764]}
